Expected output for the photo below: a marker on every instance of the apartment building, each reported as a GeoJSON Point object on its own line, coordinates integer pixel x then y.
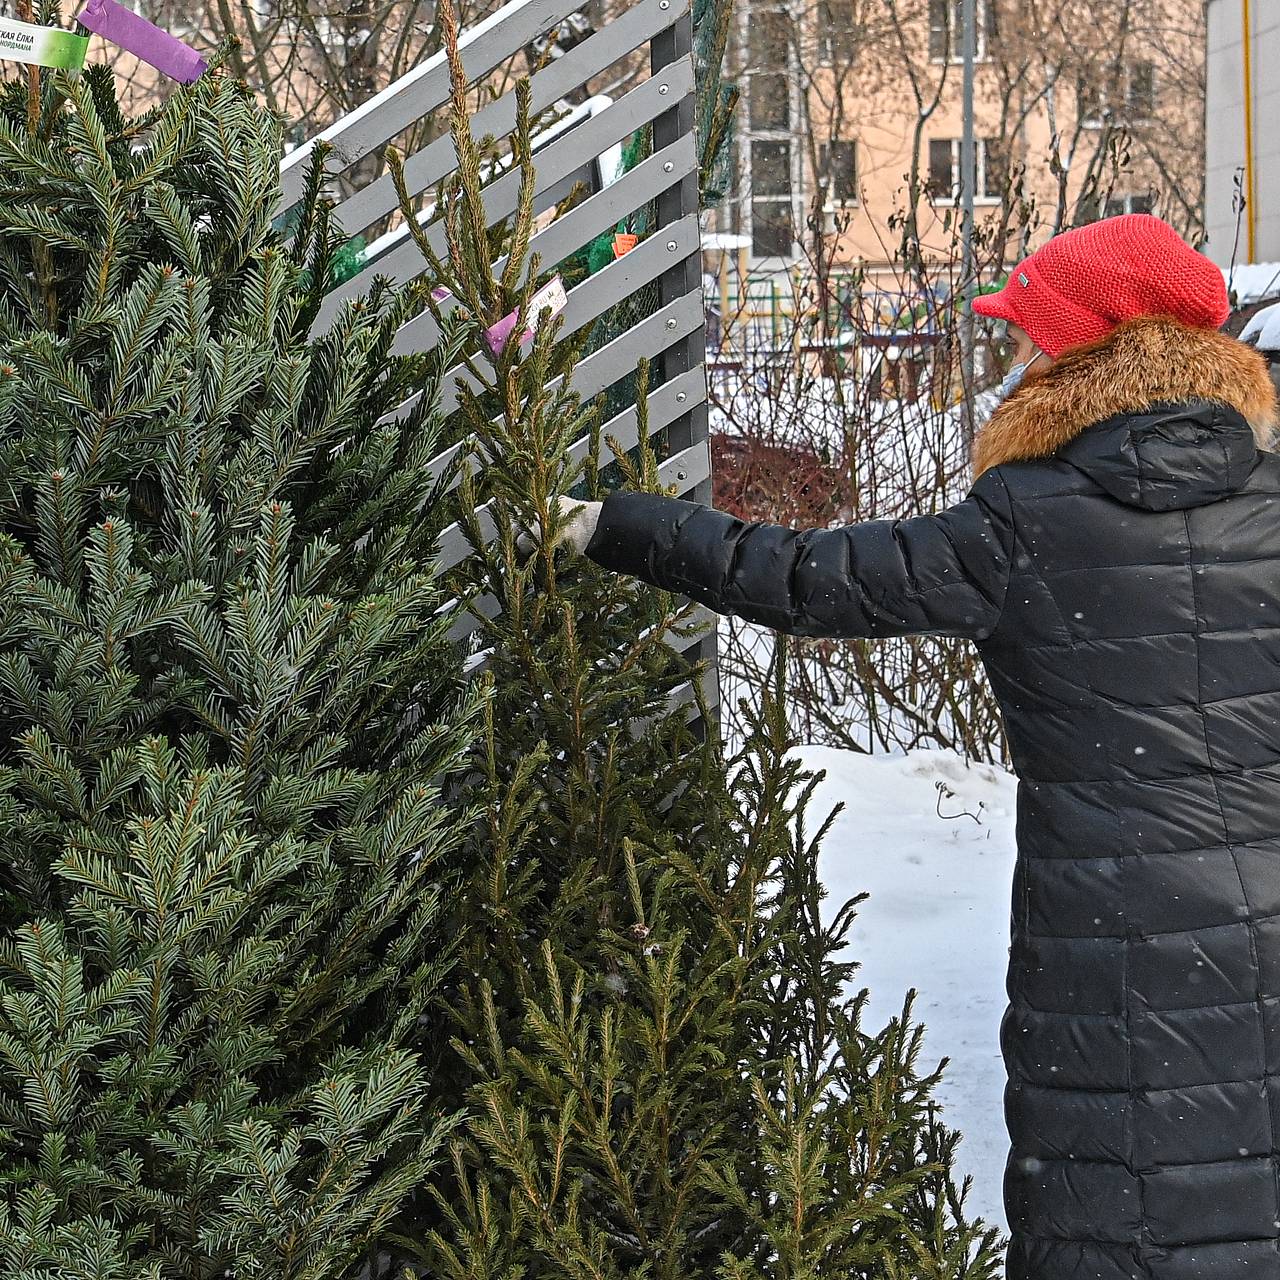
{"type": "Point", "coordinates": [845, 101]}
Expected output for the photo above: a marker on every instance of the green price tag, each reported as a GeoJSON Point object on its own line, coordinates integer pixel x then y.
{"type": "Point", "coordinates": [41, 46]}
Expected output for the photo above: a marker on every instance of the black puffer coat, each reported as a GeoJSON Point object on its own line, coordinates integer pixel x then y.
{"type": "Point", "coordinates": [1123, 587]}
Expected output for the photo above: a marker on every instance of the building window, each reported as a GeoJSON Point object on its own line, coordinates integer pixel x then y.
{"type": "Point", "coordinates": [946, 29]}
{"type": "Point", "coordinates": [769, 101]}
{"type": "Point", "coordinates": [769, 35]}
{"type": "Point", "coordinates": [1126, 204]}
{"type": "Point", "coordinates": [772, 230]}
{"type": "Point", "coordinates": [1140, 92]}
{"type": "Point", "coordinates": [838, 161]}
{"type": "Point", "coordinates": [771, 167]}
{"type": "Point", "coordinates": [944, 170]}
{"type": "Point", "coordinates": [1130, 101]}
{"type": "Point", "coordinates": [768, 45]}
{"type": "Point", "coordinates": [836, 44]}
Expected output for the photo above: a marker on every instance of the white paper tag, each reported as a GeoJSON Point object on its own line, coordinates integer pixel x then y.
{"type": "Point", "coordinates": [41, 46]}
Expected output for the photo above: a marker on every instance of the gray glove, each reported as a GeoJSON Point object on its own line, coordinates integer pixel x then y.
{"type": "Point", "coordinates": [575, 532]}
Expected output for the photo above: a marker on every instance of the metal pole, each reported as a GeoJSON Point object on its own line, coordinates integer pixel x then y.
{"type": "Point", "coordinates": [968, 181]}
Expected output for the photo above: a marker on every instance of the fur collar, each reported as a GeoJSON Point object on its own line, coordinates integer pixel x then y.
{"type": "Point", "coordinates": [1137, 364]}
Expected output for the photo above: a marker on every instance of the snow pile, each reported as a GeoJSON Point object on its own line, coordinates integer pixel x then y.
{"type": "Point", "coordinates": [937, 861]}
{"type": "Point", "coordinates": [1263, 329]}
{"type": "Point", "coordinates": [1250, 282]}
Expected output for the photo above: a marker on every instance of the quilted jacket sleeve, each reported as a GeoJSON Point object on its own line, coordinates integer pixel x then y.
{"type": "Point", "coordinates": [943, 574]}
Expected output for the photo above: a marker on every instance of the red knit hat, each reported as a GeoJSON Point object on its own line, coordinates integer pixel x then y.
{"type": "Point", "coordinates": [1084, 282]}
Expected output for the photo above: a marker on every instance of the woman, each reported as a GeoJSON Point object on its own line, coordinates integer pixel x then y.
{"type": "Point", "coordinates": [1117, 563]}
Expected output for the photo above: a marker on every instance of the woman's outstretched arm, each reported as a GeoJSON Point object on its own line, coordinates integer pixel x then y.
{"type": "Point", "coordinates": [943, 574]}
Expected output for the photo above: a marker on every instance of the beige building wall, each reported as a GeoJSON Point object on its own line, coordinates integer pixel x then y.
{"type": "Point", "coordinates": [877, 109]}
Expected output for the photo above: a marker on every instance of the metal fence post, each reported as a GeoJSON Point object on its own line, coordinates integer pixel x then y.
{"type": "Point", "coordinates": [690, 431]}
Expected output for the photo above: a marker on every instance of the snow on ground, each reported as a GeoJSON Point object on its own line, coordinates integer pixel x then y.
{"type": "Point", "coordinates": [937, 919]}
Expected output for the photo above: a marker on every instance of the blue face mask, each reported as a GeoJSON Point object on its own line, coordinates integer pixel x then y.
{"type": "Point", "coordinates": [1011, 380]}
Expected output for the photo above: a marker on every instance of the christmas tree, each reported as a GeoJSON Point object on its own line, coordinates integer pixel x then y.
{"type": "Point", "coordinates": [664, 1071]}
{"type": "Point", "coordinates": [229, 706]}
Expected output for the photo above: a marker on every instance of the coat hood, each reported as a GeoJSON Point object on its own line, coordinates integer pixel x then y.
{"type": "Point", "coordinates": [1174, 414]}
{"type": "Point", "coordinates": [1168, 457]}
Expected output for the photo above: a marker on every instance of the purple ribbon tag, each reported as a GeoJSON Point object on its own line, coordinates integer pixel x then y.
{"type": "Point", "coordinates": [130, 31]}
{"type": "Point", "coordinates": [549, 301]}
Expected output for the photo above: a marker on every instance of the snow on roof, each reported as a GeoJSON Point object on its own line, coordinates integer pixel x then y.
{"type": "Point", "coordinates": [1252, 282]}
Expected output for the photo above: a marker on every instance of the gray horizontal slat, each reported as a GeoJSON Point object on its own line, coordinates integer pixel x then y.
{"type": "Point", "coordinates": [421, 90]}
{"type": "Point", "coordinates": [644, 341]}
{"type": "Point", "coordinates": [580, 225]}
{"type": "Point", "coordinates": [596, 295]}
{"type": "Point", "coordinates": [574, 319]}
{"type": "Point", "coordinates": [625, 275]}
{"type": "Point", "coordinates": [454, 547]}
{"type": "Point", "coordinates": [687, 468]}
{"type": "Point", "coordinates": [557, 160]}
{"type": "Point", "coordinates": [466, 622]}
{"type": "Point", "coordinates": [614, 360]}
{"type": "Point", "coordinates": [665, 406]}
{"type": "Point", "coordinates": [595, 215]}
{"type": "Point", "coordinates": [668, 246]}
{"type": "Point", "coordinates": [431, 165]}
{"type": "Point", "coordinates": [683, 694]}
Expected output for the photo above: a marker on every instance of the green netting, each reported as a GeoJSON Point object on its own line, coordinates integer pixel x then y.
{"type": "Point", "coordinates": [348, 262]}
{"type": "Point", "coordinates": [717, 100]}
